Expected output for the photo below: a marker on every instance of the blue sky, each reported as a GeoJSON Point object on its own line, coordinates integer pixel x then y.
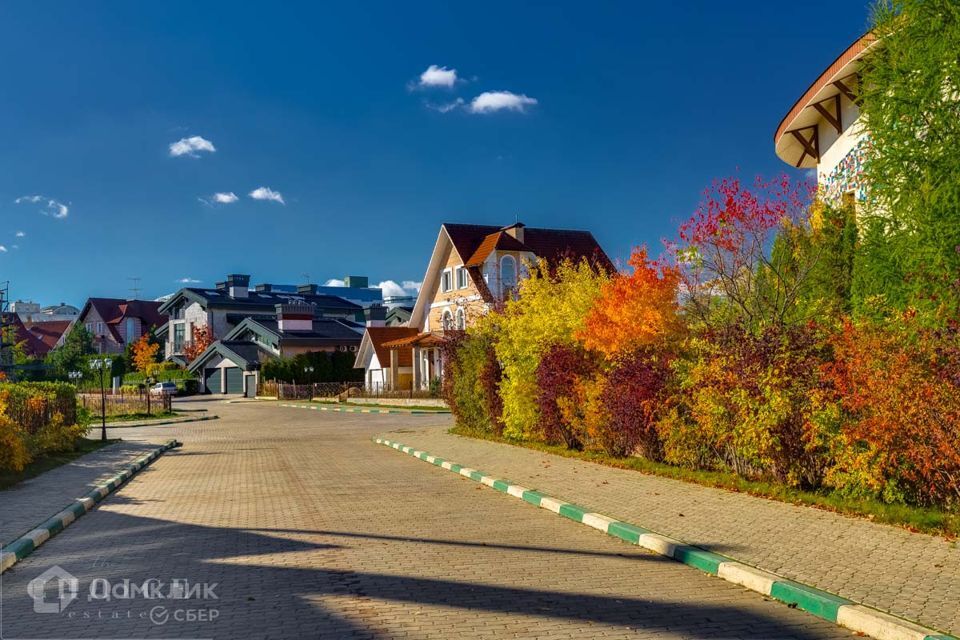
{"type": "Point", "coordinates": [637, 107]}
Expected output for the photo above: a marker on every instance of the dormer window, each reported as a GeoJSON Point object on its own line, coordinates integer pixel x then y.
{"type": "Point", "coordinates": [508, 275]}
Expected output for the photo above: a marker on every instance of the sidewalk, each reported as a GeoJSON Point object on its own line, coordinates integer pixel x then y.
{"type": "Point", "coordinates": [913, 576]}
{"type": "Point", "coordinates": [25, 505]}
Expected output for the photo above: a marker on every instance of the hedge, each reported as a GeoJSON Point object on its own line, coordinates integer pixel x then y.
{"type": "Point", "coordinates": [36, 418]}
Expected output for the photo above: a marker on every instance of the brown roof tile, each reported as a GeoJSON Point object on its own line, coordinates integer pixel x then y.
{"type": "Point", "coordinates": [381, 335]}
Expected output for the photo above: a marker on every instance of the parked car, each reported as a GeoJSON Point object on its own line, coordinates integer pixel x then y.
{"type": "Point", "coordinates": [164, 388]}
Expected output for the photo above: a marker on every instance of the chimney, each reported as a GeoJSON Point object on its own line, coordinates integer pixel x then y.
{"type": "Point", "coordinates": [238, 286]}
{"type": "Point", "coordinates": [375, 315]}
{"type": "Point", "coordinates": [295, 317]}
{"type": "Point", "coordinates": [222, 286]}
{"type": "Point", "coordinates": [307, 289]}
{"type": "Point", "coordinates": [263, 288]}
{"type": "Point", "coordinates": [356, 282]}
{"type": "Point", "coordinates": [515, 230]}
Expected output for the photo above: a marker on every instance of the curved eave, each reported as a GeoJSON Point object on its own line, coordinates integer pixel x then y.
{"type": "Point", "coordinates": [802, 114]}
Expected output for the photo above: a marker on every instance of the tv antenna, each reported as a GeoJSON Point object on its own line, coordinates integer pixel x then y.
{"type": "Point", "coordinates": [306, 278]}
{"type": "Point", "coordinates": [134, 287]}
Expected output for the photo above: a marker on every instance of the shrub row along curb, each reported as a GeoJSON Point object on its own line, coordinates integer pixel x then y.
{"type": "Point", "coordinates": [28, 542]}
{"type": "Point", "coordinates": [822, 604]}
{"type": "Point", "coordinates": [409, 412]}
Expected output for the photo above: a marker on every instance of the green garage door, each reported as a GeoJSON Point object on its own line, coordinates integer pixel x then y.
{"type": "Point", "coordinates": [211, 380]}
{"type": "Point", "coordinates": [234, 380]}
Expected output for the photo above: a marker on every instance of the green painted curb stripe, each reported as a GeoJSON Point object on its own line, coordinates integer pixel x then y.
{"type": "Point", "coordinates": [814, 601]}
{"type": "Point", "coordinates": [415, 412]}
{"type": "Point", "coordinates": [24, 545]}
{"type": "Point", "coordinates": [819, 603]}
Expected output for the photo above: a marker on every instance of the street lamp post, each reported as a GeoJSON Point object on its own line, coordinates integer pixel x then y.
{"type": "Point", "coordinates": [100, 365]}
{"type": "Point", "coordinates": [149, 382]}
{"type": "Point", "coordinates": [307, 371]}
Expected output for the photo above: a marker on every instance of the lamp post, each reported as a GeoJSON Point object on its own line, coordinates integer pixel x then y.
{"type": "Point", "coordinates": [307, 371]}
{"type": "Point", "coordinates": [149, 382]}
{"type": "Point", "coordinates": [75, 376]}
{"type": "Point", "coordinates": [100, 365]}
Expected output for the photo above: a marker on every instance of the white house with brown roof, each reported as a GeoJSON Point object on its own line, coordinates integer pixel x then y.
{"type": "Point", "coordinates": [822, 130]}
{"type": "Point", "coordinates": [472, 269]}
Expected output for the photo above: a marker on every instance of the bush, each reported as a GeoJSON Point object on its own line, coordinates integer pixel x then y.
{"type": "Point", "coordinates": [560, 379]}
{"type": "Point", "coordinates": [35, 418]}
{"type": "Point", "coordinates": [633, 397]}
{"type": "Point", "coordinates": [470, 385]}
{"type": "Point", "coordinates": [894, 393]}
{"type": "Point", "coordinates": [743, 403]}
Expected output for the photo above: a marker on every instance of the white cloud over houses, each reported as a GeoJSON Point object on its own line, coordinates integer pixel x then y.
{"type": "Point", "coordinates": [390, 288]}
{"type": "Point", "coordinates": [228, 197]}
{"type": "Point", "coordinates": [49, 206]}
{"type": "Point", "coordinates": [266, 193]}
{"type": "Point", "coordinates": [436, 76]}
{"type": "Point", "coordinates": [191, 146]}
{"type": "Point", "coordinates": [335, 282]}
{"type": "Point", "coordinates": [188, 281]}
{"type": "Point", "coordinates": [3, 249]}
{"type": "Point", "coordinates": [493, 101]}
{"type": "Point", "coordinates": [21, 234]}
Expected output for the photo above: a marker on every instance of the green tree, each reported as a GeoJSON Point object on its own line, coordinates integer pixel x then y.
{"type": "Point", "coordinates": [71, 355]}
{"type": "Point", "coordinates": [910, 91]}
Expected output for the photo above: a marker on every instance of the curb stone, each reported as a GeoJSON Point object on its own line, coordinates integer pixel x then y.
{"type": "Point", "coordinates": [158, 423]}
{"type": "Point", "coordinates": [828, 606]}
{"type": "Point", "coordinates": [26, 544]}
{"type": "Point", "coordinates": [409, 412]}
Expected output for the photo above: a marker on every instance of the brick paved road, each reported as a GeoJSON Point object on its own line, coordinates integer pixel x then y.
{"type": "Point", "coordinates": [911, 575]}
{"type": "Point", "coordinates": [310, 530]}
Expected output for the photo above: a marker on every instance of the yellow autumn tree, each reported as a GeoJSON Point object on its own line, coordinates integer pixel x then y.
{"type": "Point", "coordinates": [144, 354]}
{"type": "Point", "coordinates": [549, 309]}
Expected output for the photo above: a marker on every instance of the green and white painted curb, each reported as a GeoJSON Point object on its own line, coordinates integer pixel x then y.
{"type": "Point", "coordinates": [28, 542]}
{"type": "Point", "coordinates": [408, 412]}
{"type": "Point", "coordinates": [157, 423]}
{"type": "Point", "coordinates": [850, 614]}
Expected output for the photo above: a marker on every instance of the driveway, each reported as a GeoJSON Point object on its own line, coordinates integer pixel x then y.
{"type": "Point", "coordinates": [285, 523]}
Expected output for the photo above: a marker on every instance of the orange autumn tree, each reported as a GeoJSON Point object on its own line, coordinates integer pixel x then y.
{"type": "Point", "coordinates": [634, 310]}
{"type": "Point", "coordinates": [200, 339]}
{"type": "Point", "coordinates": [144, 354]}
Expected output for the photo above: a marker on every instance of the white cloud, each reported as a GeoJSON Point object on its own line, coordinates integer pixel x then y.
{"type": "Point", "coordinates": [3, 249]}
{"type": "Point", "coordinates": [411, 285]}
{"type": "Point", "coordinates": [191, 146]}
{"type": "Point", "coordinates": [492, 101]}
{"type": "Point", "coordinates": [225, 198]}
{"type": "Point", "coordinates": [51, 207]}
{"type": "Point", "coordinates": [436, 76]}
{"type": "Point", "coordinates": [266, 193]}
{"type": "Point", "coordinates": [187, 281]}
{"type": "Point", "coordinates": [446, 107]}
{"type": "Point", "coordinates": [391, 289]}
{"type": "Point", "coordinates": [21, 234]}
{"type": "Point", "coordinates": [334, 282]}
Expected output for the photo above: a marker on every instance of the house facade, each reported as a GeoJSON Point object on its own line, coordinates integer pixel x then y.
{"type": "Point", "coordinates": [823, 131]}
{"type": "Point", "coordinates": [114, 323]}
{"type": "Point", "coordinates": [222, 309]}
{"type": "Point", "coordinates": [232, 364]}
{"type": "Point", "coordinates": [472, 269]}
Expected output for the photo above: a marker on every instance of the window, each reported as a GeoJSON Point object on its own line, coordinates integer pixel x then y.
{"type": "Point", "coordinates": [130, 330]}
{"type": "Point", "coordinates": [462, 279]}
{"type": "Point", "coordinates": [461, 319]}
{"type": "Point", "coordinates": [446, 320]}
{"type": "Point", "coordinates": [508, 275]}
{"type": "Point", "coordinates": [178, 330]}
{"type": "Point", "coordinates": [445, 281]}
{"type": "Point", "coordinates": [99, 328]}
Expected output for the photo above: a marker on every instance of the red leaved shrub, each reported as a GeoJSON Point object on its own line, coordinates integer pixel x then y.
{"type": "Point", "coordinates": [558, 373]}
{"type": "Point", "coordinates": [633, 398]}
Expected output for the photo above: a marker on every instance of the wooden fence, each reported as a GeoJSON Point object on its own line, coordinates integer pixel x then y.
{"type": "Point", "coordinates": [125, 403]}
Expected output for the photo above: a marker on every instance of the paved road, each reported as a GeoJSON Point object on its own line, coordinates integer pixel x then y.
{"type": "Point", "coordinates": [302, 528]}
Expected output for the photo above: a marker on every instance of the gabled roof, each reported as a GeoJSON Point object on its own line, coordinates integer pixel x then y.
{"type": "Point", "coordinates": [325, 332]}
{"type": "Point", "coordinates": [258, 301]}
{"type": "Point", "coordinates": [376, 337]}
{"type": "Point", "coordinates": [32, 345]}
{"type": "Point", "coordinates": [243, 353]}
{"type": "Point", "coordinates": [48, 332]}
{"type": "Point", "coordinates": [473, 243]}
{"type": "Point", "coordinates": [114, 310]}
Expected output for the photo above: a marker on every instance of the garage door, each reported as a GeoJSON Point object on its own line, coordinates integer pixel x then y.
{"type": "Point", "coordinates": [211, 380]}
{"type": "Point", "coordinates": [234, 380]}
